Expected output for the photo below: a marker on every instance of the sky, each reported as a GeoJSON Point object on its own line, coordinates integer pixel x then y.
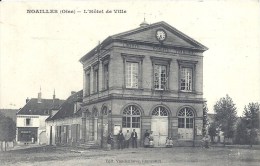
{"type": "Point", "coordinates": [43, 50]}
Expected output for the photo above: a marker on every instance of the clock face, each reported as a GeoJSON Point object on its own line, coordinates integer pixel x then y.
{"type": "Point", "coordinates": [161, 35]}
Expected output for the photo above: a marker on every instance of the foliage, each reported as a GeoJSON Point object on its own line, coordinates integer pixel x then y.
{"type": "Point", "coordinates": [7, 129]}
{"type": "Point", "coordinates": [205, 119]}
{"type": "Point", "coordinates": [251, 115]}
{"type": "Point", "coordinates": [241, 136]}
{"type": "Point", "coordinates": [225, 116]}
{"type": "Point", "coordinates": [251, 120]}
{"type": "Point", "coordinates": [212, 131]}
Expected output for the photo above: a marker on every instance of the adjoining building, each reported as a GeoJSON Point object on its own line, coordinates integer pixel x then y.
{"type": "Point", "coordinates": [64, 127]}
{"type": "Point", "coordinates": [148, 78]}
{"type": "Point", "coordinates": [31, 127]}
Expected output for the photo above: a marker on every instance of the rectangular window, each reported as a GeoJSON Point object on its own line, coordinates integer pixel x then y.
{"type": "Point", "coordinates": [135, 122]}
{"type": "Point", "coordinates": [131, 75]}
{"type": "Point", "coordinates": [160, 77]}
{"type": "Point", "coordinates": [126, 122]}
{"type": "Point", "coordinates": [186, 79]}
{"type": "Point", "coordinates": [28, 121]}
{"type": "Point", "coordinates": [105, 76]}
{"type": "Point", "coordinates": [95, 81]}
{"type": "Point", "coordinates": [87, 84]}
{"type": "Point", "coordinates": [181, 123]}
{"type": "Point", "coordinates": [189, 123]}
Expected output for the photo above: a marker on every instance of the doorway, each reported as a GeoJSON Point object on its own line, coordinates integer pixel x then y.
{"type": "Point", "coordinates": [159, 126]}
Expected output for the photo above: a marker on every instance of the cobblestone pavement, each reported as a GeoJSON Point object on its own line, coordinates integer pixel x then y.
{"type": "Point", "coordinates": [180, 156]}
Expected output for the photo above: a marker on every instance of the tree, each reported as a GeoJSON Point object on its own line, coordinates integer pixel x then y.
{"type": "Point", "coordinates": [251, 118]}
{"type": "Point", "coordinates": [241, 136]}
{"type": "Point", "coordinates": [7, 130]}
{"type": "Point", "coordinates": [212, 131]}
{"type": "Point", "coordinates": [226, 116]}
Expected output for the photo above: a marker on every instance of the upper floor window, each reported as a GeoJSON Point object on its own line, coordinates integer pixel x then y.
{"type": "Point", "coordinates": [131, 75]}
{"type": "Point", "coordinates": [95, 81]}
{"type": "Point", "coordinates": [186, 79]}
{"type": "Point", "coordinates": [28, 121]}
{"type": "Point", "coordinates": [161, 68]}
{"type": "Point", "coordinates": [105, 71]}
{"type": "Point", "coordinates": [105, 76]}
{"type": "Point", "coordinates": [87, 82]}
{"type": "Point", "coordinates": [160, 77]}
{"type": "Point", "coordinates": [133, 70]}
{"type": "Point", "coordinates": [186, 75]}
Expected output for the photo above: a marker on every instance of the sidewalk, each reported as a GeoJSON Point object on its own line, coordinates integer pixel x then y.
{"type": "Point", "coordinates": [18, 147]}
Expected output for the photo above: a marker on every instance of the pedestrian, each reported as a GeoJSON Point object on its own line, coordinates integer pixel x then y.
{"type": "Point", "coordinates": [110, 142]}
{"type": "Point", "coordinates": [146, 139]}
{"type": "Point", "coordinates": [151, 144]}
{"type": "Point", "coordinates": [134, 139]}
{"type": "Point", "coordinates": [169, 142]}
{"type": "Point", "coordinates": [127, 138]}
{"type": "Point", "coordinates": [120, 140]}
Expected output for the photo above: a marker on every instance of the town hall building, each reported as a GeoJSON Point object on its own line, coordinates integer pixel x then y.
{"type": "Point", "coordinates": [148, 78]}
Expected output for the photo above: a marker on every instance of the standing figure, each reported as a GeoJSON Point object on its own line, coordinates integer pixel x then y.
{"type": "Point", "coordinates": [127, 138]}
{"type": "Point", "coordinates": [151, 139]}
{"type": "Point", "coordinates": [146, 139]}
{"type": "Point", "coordinates": [134, 139]}
{"type": "Point", "coordinates": [110, 142]}
{"type": "Point", "coordinates": [120, 139]}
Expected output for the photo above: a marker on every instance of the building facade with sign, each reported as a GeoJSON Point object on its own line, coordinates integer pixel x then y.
{"type": "Point", "coordinates": [148, 78]}
{"type": "Point", "coordinates": [30, 120]}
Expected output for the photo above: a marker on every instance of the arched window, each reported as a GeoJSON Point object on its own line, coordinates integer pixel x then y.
{"type": "Point", "coordinates": [160, 111]}
{"type": "Point", "coordinates": [95, 112]}
{"type": "Point", "coordinates": [131, 117]}
{"type": "Point", "coordinates": [185, 118]}
{"type": "Point", "coordinates": [104, 110]}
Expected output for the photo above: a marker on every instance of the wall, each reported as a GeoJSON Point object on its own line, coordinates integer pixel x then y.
{"type": "Point", "coordinates": [62, 122]}
{"type": "Point", "coordinates": [21, 120]}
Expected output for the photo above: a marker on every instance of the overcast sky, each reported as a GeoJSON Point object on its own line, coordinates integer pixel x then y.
{"type": "Point", "coordinates": [43, 50]}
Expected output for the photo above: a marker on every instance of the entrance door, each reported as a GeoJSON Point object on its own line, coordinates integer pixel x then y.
{"type": "Point", "coordinates": [159, 126]}
{"type": "Point", "coordinates": [51, 135]}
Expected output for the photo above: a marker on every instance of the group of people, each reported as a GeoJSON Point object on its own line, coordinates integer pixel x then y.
{"type": "Point", "coordinates": [169, 142]}
{"type": "Point", "coordinates": [123, 141]}
{"type": "Point", "coordinates": [148, 139]}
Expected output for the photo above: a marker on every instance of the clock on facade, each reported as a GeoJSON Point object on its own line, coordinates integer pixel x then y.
{"type": "Point", "coordinates": [161, 35]}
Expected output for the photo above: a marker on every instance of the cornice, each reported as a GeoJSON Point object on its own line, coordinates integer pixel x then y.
{"type": "Point", "coordinates": [137, 98]}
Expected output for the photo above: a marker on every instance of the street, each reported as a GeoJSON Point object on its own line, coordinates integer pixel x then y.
{"type": "Point", "coordinates": [151, 156]}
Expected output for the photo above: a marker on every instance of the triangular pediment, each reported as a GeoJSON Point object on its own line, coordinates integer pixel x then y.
{"type": "Point", "coordinates": [147, 34]}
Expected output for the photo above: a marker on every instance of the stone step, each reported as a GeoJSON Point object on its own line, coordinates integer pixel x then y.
{"type": "Point", "coordinates": [89, 145]}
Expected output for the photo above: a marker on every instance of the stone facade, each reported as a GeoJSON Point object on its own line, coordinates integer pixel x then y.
{"type": "Point", "coordinates": [141, 80]}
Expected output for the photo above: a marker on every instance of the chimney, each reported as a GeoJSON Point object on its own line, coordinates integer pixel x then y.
{"type": "Point", "coordinates": [27, 100]}
{"type": "Point", "coordinates": [40, 96]}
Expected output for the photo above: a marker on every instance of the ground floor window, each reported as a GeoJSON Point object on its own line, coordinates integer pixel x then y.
{"type": "Point", "coordinates": [27, 134]}
{"type": "Point", "coordinates": [185, 123]}
{"type": "Point", "coordinates": [131, 117]}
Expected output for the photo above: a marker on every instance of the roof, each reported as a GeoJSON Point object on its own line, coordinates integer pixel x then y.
{"type": "Point", "coordinates": [33, 107]}
{"type": "Point", "coordinates": [67, 108]}
{"type": "Point", "coordinates": [146, 34]}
